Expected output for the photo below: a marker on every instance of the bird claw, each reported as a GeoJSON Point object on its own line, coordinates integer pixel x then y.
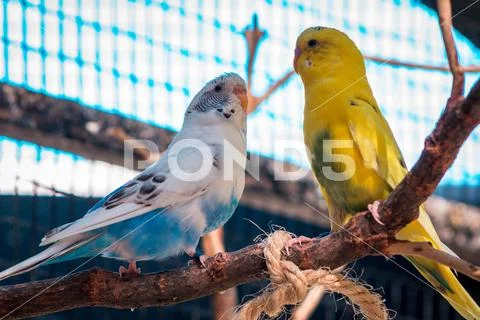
{"type": "Point", "coordinates": [373, 208]}
{"type": "Point", "coordinates": [299, 240]}
{"type": "Point", "coordinates": [197, 257]}
{"type": "Point", "coordinates": [132, 270]}
{"type": "Point", "coordinates": [198, 260]}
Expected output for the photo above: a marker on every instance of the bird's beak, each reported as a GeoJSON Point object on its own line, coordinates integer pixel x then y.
{"type": "Point", "coordinates": [298, 52]}
{"type": "Point", "coordinates": [241, 93]}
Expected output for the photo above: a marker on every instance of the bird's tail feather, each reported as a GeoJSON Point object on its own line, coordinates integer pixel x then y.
{"type": "Point", "coordinates": [45, 256]}
{"type": "Point", "coordinates": [440, 276]}
{"type": "Point", "coordinates": [54, 231]}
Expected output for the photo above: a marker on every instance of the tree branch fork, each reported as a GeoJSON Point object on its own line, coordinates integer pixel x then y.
{"type": "Point", "coordinates": [361, 237]}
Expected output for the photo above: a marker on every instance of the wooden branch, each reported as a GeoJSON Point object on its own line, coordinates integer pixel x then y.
{"type": "Point", "coordinates": [414, 65]}
{"type": "Point", "coordinates": [362, 236]}
{"type": "Point", "coordinates": [99, 287]}
{"type": "Point", "coordinates": [253, 35]}
{"type": "Point", "coordinates": [425, 249]}
{"type": "Point", "coordinates": [223, 303]}
{"type": "Point", "coordinates": [71, 127]}
{"type": "Point", "coordinates": [444, 8]}
{"type": "Point", "coordinates": [257, 100]}
{"type": "Point", "coordinates": [142, 151]}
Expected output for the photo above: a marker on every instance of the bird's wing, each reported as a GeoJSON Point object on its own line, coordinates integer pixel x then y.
{"type": "Point", "coordinates": [374, 140]}
{"type": "Point", "coordinates": [156, 187]}
{"type": "Point", "coordinates": [380, 152]}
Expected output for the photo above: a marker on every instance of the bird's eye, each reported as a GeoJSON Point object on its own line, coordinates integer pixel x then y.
{"type": "Point", "coordinates": [312, 43]}
{"type": "Point", "coordinates": [220, 110]}
{"type": "Point", "coordinates": [218, 88]}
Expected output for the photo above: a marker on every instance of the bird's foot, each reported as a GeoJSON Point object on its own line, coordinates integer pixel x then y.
{"type": "Point", "coordinates": [373, 208]}
{"type": "Point", "coordinates": [197, 256]}
{"type": "Point", "coordinates": [132, 270]}
{"type": "Point", "coordinates": [298, 240]}
{"type": "Point", "coordinates": [200, 259]}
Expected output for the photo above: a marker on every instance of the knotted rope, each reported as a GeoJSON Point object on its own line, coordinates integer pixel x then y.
{"type": "Point", "coordinates": [289, 285]}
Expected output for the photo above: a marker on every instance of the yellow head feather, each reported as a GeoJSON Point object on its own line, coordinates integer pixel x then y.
{"type": "Point", "coordinates": [331, 68]}
{"type": "Point", "coordinates": [323, 52]}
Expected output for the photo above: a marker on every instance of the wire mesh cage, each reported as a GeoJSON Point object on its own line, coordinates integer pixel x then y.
{"type": "Point", "coordinates": [144, 60]}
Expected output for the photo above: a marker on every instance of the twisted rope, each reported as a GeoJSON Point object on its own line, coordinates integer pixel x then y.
{"type": "Point", "coordinates": [289, 285]}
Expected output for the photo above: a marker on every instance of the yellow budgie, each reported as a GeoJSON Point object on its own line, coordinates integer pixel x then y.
{"type": "Point", "coordinates": [354, 155]}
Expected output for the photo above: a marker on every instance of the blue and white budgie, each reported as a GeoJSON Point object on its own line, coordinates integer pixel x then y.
{"type": "Point", "coordinates": [159, 213]}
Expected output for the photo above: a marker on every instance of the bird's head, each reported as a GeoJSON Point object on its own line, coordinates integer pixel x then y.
{"type": "Point", "coordinates": [221, 99]}
{"type": "Point", "coordinates": [323, 53]}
